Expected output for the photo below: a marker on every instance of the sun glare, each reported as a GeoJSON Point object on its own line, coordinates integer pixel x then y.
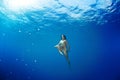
{"type": "Point", "coordinates": [17, 5]}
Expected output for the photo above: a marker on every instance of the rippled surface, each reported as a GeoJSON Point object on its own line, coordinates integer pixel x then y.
{"type": "Point", "coordinates": [62, 11]}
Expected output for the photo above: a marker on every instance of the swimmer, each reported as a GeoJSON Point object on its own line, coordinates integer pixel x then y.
{"type": "Point", "coordinates": [63, 47]}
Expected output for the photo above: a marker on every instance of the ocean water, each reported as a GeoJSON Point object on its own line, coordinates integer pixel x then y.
{"type": "Point", "coordinates": [29, 32]}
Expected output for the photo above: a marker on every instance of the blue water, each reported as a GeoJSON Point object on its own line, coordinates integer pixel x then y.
{"type": "Point", "coordinates": [27, 43]}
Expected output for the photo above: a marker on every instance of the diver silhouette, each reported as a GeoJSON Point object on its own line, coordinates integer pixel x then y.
{"type": "Point", "coordinates": [63, 47]}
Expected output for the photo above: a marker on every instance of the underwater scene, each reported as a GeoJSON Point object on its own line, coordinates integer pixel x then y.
{"type": "Point", "coordinates": [59, 39]}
